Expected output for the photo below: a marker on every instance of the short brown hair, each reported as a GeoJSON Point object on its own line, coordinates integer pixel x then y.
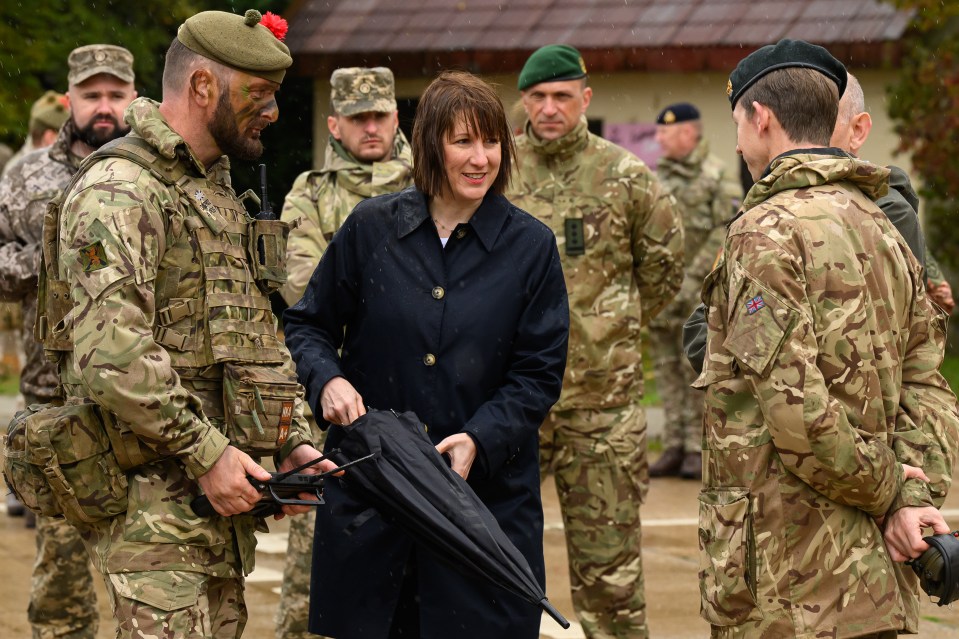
{"type": "Point", "coordinates": [455, 94]}
{"type": "Point", "coordinates": [804, 101]}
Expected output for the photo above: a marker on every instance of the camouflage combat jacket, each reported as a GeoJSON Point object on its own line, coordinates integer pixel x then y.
{"type": "Point", "coordinates": [632, 260]}
{"type": "Point", "coordinates": [163, 297]}
{"type": "Point", "coordinates": [322, 200]}
{"type": "Point", "coordinates": [24, 194]}
{"type": "Point", "coordinates": [821, 376]}
{"type": "Point", "coordinates": [706, 197]}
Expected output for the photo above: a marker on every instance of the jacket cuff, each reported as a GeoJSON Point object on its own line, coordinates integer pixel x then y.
{"type": "Point", "coordinates": [914, 493]}
{"type": "Point", "coordinates": [295, 439]}
{"type": "Point", "coordinates": [207, 450]}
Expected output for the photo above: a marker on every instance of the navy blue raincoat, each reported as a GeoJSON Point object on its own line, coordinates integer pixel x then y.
{"type": "Point", "coordinates": [472, 338]}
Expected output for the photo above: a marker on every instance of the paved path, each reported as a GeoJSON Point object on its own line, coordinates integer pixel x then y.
{"type": "Point", "coordinates": [670, 558]}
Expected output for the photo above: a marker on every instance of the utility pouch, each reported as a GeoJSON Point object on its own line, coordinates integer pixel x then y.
{"type": "Point", "coordinates": [268, 252]}
{"type": "Point", "coordinates": [59, 462]}
{"type": "Point", "coordinates": [258, 401]}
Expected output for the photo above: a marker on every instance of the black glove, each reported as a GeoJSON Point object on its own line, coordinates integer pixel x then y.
{"type": "Point", "coordinates": [938, 567]}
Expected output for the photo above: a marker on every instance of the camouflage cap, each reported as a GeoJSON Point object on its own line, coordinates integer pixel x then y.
{"type": "Point", "coordinates": [360, 90]}
{"type": "Point", "coordinates": [49, 112]}
{"type": "Point", "coordinates": [239, 42]}
{"type": "Point", "coordinates": [86, 62]}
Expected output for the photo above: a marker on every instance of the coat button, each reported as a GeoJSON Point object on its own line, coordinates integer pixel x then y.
{"type": "Point", "coordinates": [438, 292]}
{"type": "Point", "coordinates": [460, 234]}
{"type": "Point", "coordinates": [429, 359]}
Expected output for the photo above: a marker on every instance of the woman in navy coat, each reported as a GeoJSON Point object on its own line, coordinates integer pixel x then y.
{"type": "Point", "coordinates": [446, 300]}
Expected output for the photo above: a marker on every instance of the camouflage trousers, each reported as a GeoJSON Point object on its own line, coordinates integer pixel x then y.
{"type": "Point", "coordinates": [63, 603]}
{"type": "Point", "coordinates": [598, 460]}
{"type": "Point", "coordinates": [682, 404]}
{"type": "Point", "coordinates": [292, 617]}
{"type": "Point", "coordinates": [175, 604]}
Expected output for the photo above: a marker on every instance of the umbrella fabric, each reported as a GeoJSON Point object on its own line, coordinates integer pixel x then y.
{"type": "Point", "coordinates": [410, 484]}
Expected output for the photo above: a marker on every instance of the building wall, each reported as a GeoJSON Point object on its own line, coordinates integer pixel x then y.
{"type": "Point", "coordinates": [639, 97]}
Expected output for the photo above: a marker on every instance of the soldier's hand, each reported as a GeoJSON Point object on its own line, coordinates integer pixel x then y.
{"type": "Point", "coordinates": [461, 449]}
{"type": "Point", "coordinates": [299, 456]}
{"type": "Point", "coordinates": [913, 472]}
{"type": "Point", "coordinates": [340, 402]}
{"type": "Point", "coordinates": [942, 295]}
{"type": "Point", "coordinates": [903, 533]}
{"type": "Point", "coordinates": [226, 484]}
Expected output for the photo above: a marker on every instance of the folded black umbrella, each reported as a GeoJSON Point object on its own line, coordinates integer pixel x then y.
{"type": "Point", "coordinates": [410, 484]}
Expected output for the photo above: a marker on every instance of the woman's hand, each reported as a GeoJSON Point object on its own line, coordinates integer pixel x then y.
{"type": "Point", "coordinates": [461, 450]}
{"type": "Point", "coordinates": [340, 402]}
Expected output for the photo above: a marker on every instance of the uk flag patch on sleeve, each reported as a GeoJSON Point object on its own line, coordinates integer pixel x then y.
{"type": "Point", "coordinates": [755, 304]}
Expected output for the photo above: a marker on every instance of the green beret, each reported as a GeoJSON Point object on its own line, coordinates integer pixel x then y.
{"type": "Point", "coordinates": [552, 63]}
{"type": "Point", "coordinates": [239, 42]}
{"type": "Point", "coordinates": [676, 113]}
{"type": "Point", "coordinates": [782, 55]}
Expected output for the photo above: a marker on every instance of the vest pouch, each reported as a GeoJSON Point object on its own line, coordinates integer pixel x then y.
{"type": "Point", "coordinates": [58, 461]}
{"type": "Point", "coordinates": [268, 252]}
{"type": "Point", "coordinates": [258, 401]}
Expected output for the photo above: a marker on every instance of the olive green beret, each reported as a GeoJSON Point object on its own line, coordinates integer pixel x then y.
{"type": "Point", "coordinates": [49, 112]}
{"type": "Point", "coordinates": [782, 55]}
{"type": "Point", "coordinates": [552, 63]}
{"type": "Point", "coordinates": [239, 42]}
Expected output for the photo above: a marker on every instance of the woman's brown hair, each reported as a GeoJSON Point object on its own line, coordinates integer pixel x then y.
{"type": "Point", "coordinates": [455, 94]}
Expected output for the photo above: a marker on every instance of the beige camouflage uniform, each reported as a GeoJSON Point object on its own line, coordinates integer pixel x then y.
{"type": "Point", "coordinates": [321, 201]}
{"type": "Point", "coordinates": [594, 440]}
{"type": "Point", "coordinates": [706, 196]}
{"type": "Point", "coordinates": [821, 376]}
{"type": "Point", "coordinates": [62, 600]}
{"type": "Point", "coordinates": [163, 295]}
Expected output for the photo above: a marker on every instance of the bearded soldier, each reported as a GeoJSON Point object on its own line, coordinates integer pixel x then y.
{"type": "Point", "coordinates": [62, 599]}
{"type": "Point", "coordinates": [169, 331]}
{"type": "Point", "coordinates": [367, 155]}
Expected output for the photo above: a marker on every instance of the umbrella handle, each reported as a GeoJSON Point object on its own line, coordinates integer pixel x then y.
{"type": "Point", "coordinates": [553, 612]}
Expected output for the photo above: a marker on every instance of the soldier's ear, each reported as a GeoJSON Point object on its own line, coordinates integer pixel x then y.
{"type": "Point", "coordinates": [202, 86]}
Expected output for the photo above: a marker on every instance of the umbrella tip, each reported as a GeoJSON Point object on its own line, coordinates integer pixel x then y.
{"type": "Point", "coordinates": [554, 613]}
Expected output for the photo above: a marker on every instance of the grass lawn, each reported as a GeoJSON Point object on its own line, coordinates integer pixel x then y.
{"type": "Point", "coordinates": [950, 370]}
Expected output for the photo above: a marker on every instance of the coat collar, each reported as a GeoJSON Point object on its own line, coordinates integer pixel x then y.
{"type": "Point", "coordinates": [413, 210]}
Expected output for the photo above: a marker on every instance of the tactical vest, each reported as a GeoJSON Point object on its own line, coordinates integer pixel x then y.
{"type": "Point", "coordinates": [222, 318]}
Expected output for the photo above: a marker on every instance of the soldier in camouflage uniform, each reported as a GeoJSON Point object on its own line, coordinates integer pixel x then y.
{"type": "Point", "coordinates": [169, 318]}
{"type": "Point", "coordinates": [830, 436]}
{"type": "Point", "coordinates": [47, 115]}
{"type": "Point", "coordinates": [706, 196]}
{"type": "Point", "coordinates": [367, 155]}
{"type": "Point", "coordinates": [621, 242]}
{"type": "Point", "coordinates": [62, 599]}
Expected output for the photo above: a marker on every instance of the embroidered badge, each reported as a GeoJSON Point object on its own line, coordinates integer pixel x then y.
{"type": "Point", "coordinates": [205, 204]}
{"type": "Point", "coordinates": [93, 257]}
{"type": "Point", "coordinates": [756, 303]}
{"type": "Point", "coordinates": [286, 418]}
